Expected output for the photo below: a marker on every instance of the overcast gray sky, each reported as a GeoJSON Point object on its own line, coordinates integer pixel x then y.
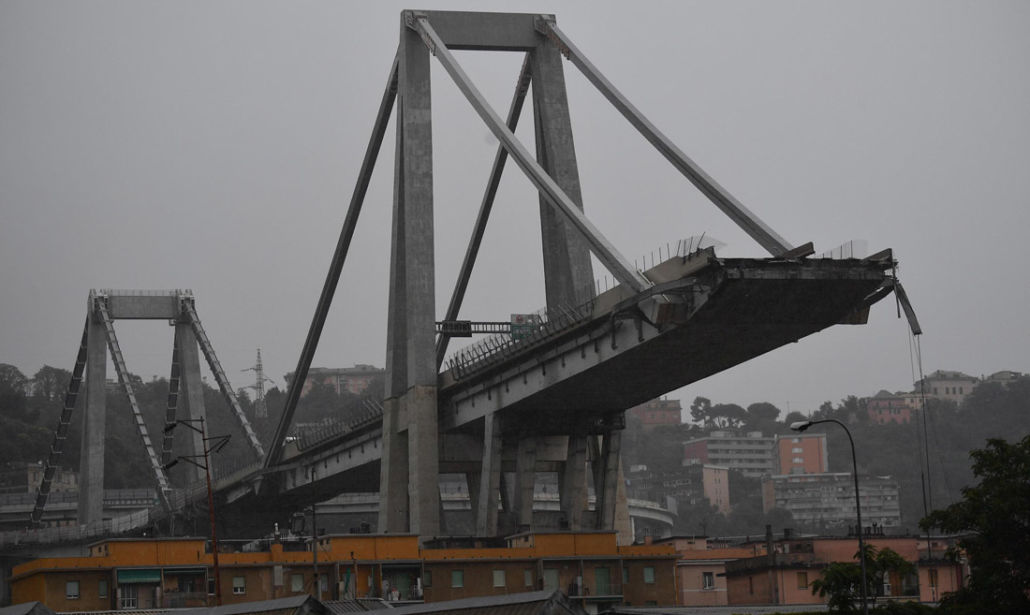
{"type": "Point", "coordinates": [214, 146]}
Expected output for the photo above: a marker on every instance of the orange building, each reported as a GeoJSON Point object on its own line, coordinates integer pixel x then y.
{"type": "Point", "coordinates": [802, 454]}
{"type": "Point", "coordinates": [132, 574]}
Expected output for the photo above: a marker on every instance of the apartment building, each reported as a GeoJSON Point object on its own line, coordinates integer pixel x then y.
{"type": "Point", "coordinates": [886, 407]}
{"type": "Point", "coordinates": [751, 453]}
{"type": "Point", "coordinates": [136, 574]}
{"type": "Point", "coordinates": [802, 453]}
{"type": "Point", "coordinates": [756, 455]}
{"type": "Point", "coordinates": [950, 385]}
{"type": "Point", "coordinates": [828, 500]}
{"type": "Point", "coordinates": [688, 485]}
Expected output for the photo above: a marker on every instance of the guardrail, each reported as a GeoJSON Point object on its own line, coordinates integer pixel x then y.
{"type": "Point", "coordinates": [74, 533]}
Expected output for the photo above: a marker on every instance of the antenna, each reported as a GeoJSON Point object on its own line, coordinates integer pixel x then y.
{"type": "Point", "coordinates": [260, 408]}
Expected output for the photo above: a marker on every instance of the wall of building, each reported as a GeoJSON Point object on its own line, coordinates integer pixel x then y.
{"type": "Point", "coordinates": [751, 589]}
{"type": "Point", "coordinates": [751, 453]}
{"type": "Point", "coordinates": [716, 482]}
{"type": "Point", "coordinates": [691, 586]}
{"type": "Point", "coordinates": [952, 386]}
{"type": "Point", "coordinates": [889, 409]}
{"type": "Point", "coordinates": [657, 412]}
{"type": "Point", "coordinates": [829, 499]}
{"type": "Point", "coordinates": [802, 454]}
{"type": "Point", "coordinates": [379, 562]}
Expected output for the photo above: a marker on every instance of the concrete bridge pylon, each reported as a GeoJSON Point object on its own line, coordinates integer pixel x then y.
{"type": "Point", "coordinates": [185, 395]}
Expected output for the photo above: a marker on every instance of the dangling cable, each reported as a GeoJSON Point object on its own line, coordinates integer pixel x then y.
{"type": "Point", "coordinates": [924, 443]}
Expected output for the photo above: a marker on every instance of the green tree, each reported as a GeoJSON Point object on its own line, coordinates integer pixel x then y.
{"type": "Point", "coordinates": [50, 383]}
{"type": "Point", "coordinates": [994, 515]}
{"type": "Point", "coordinates": [727, 416]}
{"type": "Point", "coordinates": [761, 416]}
{"type": "Point", "coordinates": [889, 567]}
{"type": "Point", "coordinates": [12, 392]}
{"type": "Point", "coordinates": [700, 410]}
{"type": "Point", "coordinates": [839, 583]}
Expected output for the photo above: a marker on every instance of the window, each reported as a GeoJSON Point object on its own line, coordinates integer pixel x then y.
{"type": "Point", "coordinates": [932, 577]}
{"type": "Point", "coordinates": [527, 577]}
{"type": "Point", "coordinates": [296, 582]}
{"type": "Point", "coordinates": [797, 449]}
{"type": "Point", "coordinates": [427, 578]}
{"type": "Point", "coordinates": [499, 578]}
{"type": "Point", "coordinates": [239, 585]}
{"type": "Point", "coordinates": [130, 597]}
{"type": "Point", "coordinates": [648, 574]}
{"type": "Point", "coordinates": [707, 580]}
{"type": "Point", "coordinates": [102, 589]}
{"type": "Point", "coordinates": [71, 590]}
{"type": "Point", "coordinates": [210, 586]}
{"type": "Point", "coordinates": [799, 460]}
{"type": "Point", "coordinates": [803, 580]}
{"type": "Point", "coordinates": [457, 578]}
{"type": "Point", "coordinates": [625, 574]}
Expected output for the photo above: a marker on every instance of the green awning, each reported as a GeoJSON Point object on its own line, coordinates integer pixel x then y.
{"type": "Point", "coordinates": [139, 575]}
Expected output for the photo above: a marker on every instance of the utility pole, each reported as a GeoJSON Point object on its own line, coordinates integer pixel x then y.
{"type": "Point", "coordinates": [314, 552]}
{"type": "Point", "coordinates": [220, 442]}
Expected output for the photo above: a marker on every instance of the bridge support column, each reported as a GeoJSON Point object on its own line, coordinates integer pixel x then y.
{"type": "Point", "coordinates": [489, 477]}
{"type": "Point", "coordinates": [393, 484]}
{"type": "Point", "coordinates": [525, 481]}
{"type": "Point", "coordinates": [91, 454]}
{"type": "Point", "coordinates": [573, 485]}
{"type": "Point", "coordinates": [192, 390]}
{"type": "Point", "coordinates": [607, 496]}
{"type": "Point", "coordinates": [423, 461]}
{"type": "Point", "coordinates": [568, 277]}
{"type": "Point", "coordinates": [411, 348]}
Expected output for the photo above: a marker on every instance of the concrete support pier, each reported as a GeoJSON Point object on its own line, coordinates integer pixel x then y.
{"type": "Point", "coordinates": [487, 491]}
{"type": "Point", "coordinates": [412, 459]}
{"type": "Point", "coordinates": [94, 423]}
{"type": "Point", "coordinates": [573, 487]}
{"type": "Point", "coordinates": [192, 394]}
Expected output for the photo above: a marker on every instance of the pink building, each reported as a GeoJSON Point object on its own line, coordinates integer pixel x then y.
{"type": "Point", "coordinates": [786, 575]}
{"type": "Point", "coordinates": [885, 408]}
{"type": "Point", "coordinates": [701, 570]}
{"type": "Point", "coordinates": [658, 412]}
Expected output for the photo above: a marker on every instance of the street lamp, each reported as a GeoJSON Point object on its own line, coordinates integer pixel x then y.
{"type": "Point", "coordinates": [801, 426]}
{"type": "Point", "coordinates": [219, 442]}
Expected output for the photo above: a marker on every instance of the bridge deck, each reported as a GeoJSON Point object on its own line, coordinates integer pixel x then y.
{"type": "Point", "coordinates": [723, 314]}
